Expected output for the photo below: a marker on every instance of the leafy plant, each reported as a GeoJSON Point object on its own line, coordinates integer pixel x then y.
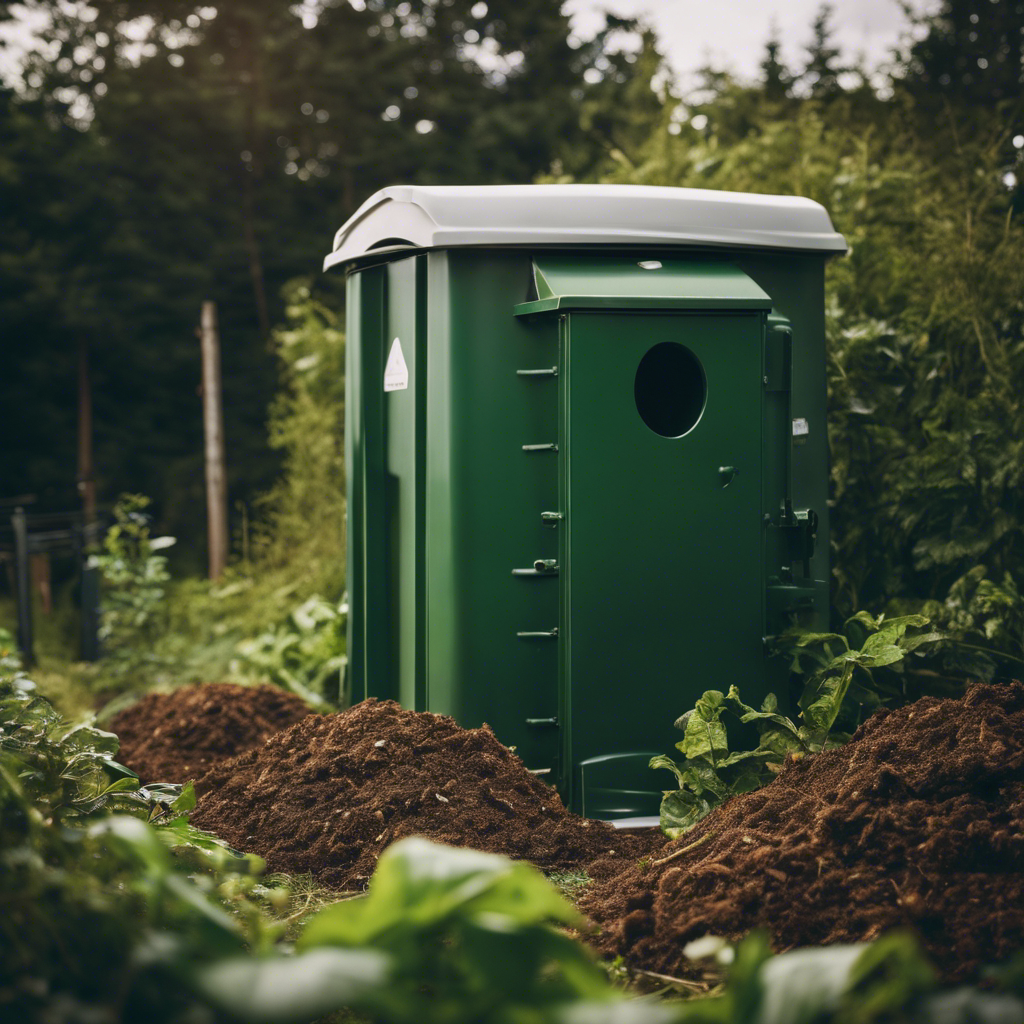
{"type": "Point", "coordinates": [134, 581]}
{"type": "Point", "coordinates": [443, 936]}
{"type": "Point", "coordinates": [841, 683]}
{"type": "Point", "coordinates": [984, 625]}
{"type": "Point", "coordinates": [100, 920]}
{"type": "Point", "coordinates": [865, 983]}
{"type": "Point", "coordinates": [304, 654]}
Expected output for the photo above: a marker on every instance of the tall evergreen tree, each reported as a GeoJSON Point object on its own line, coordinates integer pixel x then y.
{"type": "Point", "coordinates": [822, 70]}
{"type": "Point", "coordinates": [776, 78]}
{"type": "Point", "coordinates": [971, 51]}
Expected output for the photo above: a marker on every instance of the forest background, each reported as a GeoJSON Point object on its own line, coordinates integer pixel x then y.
{"type": "Point", "coordinates": [163, 153]}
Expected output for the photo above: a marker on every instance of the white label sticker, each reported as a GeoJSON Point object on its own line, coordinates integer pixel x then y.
{"type": "Point", "coordinates": [396, 373]}
{"type": "Point", "coordinates": [800, 427]}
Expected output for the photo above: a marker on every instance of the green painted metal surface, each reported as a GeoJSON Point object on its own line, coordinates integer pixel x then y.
{"type": "Point", "coordinates": [603, 282]}
{"type": "Point", "coordinates": [662, 569]}
{"type": "Point", "coordinates": [525, 550]}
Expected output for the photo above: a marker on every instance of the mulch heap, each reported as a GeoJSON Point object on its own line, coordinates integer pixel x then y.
{"type": "Point", "coordinates": [330, 794]}
{"type": "Point", "coordinates": [177, 736]}
{"type": "Point", "coordinates": [916, 823]}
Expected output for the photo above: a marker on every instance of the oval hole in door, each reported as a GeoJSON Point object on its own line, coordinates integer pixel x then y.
{"type": "Point", "coordinates": [670, 389]}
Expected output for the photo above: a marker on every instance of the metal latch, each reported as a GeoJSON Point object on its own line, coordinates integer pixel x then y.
{"type": "Point", "coordinates": [800, 528]}
{"type": "Point", "coordinates": [541, 567]}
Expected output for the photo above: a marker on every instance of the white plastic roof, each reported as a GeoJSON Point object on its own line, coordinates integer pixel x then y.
{"type": "Point", "coordinates": [441, 216]}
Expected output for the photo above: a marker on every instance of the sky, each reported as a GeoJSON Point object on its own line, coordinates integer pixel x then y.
{"type": "Point", "coordinates": [730, 34]}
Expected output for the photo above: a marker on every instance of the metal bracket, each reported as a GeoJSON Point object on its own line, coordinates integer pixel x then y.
{"type": "Point", "coordinates": [551, 447]}
{"type": "Point", "coordinates": [800, 530]}
{"type": "Point", "coordinates": [539, 634]}
{"type": "Point", "coordinates": [551, 371]}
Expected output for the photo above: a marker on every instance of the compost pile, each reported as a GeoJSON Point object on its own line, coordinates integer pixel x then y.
{"type": "Point", "coordinates": [328, 795]}
{"type": "Point", "coordinates": [177, 736]}
{"type": "Point", "coordinates": [917, 822]}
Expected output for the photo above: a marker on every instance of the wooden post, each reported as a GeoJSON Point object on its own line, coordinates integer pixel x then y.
{"type": "Point", "coordinates": [213, 424]}
{"type": "Point", "coordinates": [24, 587]}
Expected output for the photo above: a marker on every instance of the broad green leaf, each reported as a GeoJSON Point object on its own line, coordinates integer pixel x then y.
{"type": "Point", "coordinates": [914, 642]}
{"type": "Point", "coordinates": [186, 800]}
{"type": "Point", "coordinates": [681, 809]}
{"type": "Point", "coordinates": [821, 703]}
{"type": "Point", "coordinates": [89, 738]}
{"type": "Point", "coordinates": [890, 975]}
{"type": "Point", "coordinates": [768, 712]}
{"type": "Point", "coordinates": [290, 990]}
{"type": "Point", "coordinates": [628, 1011]}
{"type": "Point", "coordinates": [880, 654]}
{"type": "Point", "coordinates": [805, 985]}
{"type": "Point", "coordinates": [666, 762]}
{"type": "Point", "coordinates": [179, 832]}
{"type": "Point", "coordinates": [138, 839]}
{"type": "Point", "coordinates": [420, 884]}
{"type": "Point", "coordinates": [808, 639]}
{"type": "Point", "coordinates": [705, 736]}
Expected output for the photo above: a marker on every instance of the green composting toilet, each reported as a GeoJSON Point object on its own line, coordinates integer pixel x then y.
{"type": "Point", "coordinates": [587, 461]}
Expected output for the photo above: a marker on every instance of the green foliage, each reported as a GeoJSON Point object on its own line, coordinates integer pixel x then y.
{"type": "Point", "coordinates": [841, 684]}
{"type": "Point", "coordinates": [100, 922]}
{"type": "Point", "coordinates": [305, 654]}
{"type": "Point", "coordinates": [984, 623]}
{"type": "Point", "coordinates": [301, 518]}
{"type": "Point", "coordinates": [132, 607]}
{"type": "Point", "coordinates": [885, 981]}
{"type": "Point", "coordinates": [443, 936]}
{"type": "Point", "coordinates": [267, 619]}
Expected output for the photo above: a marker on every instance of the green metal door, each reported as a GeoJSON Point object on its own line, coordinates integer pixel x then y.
{"type": "Point", "coordinates": [661, 555]}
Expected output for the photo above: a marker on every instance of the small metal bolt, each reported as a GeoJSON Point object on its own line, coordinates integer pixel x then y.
{"type": "Point", "coordinates": [764, 380]}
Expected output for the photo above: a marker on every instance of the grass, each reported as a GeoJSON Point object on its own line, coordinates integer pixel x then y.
{"type": "Point", "coordinates": [570, 883]}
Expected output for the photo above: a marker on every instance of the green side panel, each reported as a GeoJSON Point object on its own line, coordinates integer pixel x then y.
{"type": "Point", "coordinates": [796, 465]}
{"type": "Point", "coordinates": [403, 484]}
{"type": "Point", "coordinates": [484, 497]}
{"type": "Point", "coordinates": [369, 662]}
{"type": "Point", "coordinates": [616, 282]}
{"type": "Point", "coordinates": [661, 560]}
{"type": "Point", "coordinates": [355, 469]}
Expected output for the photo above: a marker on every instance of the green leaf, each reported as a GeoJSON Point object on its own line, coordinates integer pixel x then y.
{"type": "Point", "coordinates": [877, 655]}
{"type": "Point", "coordinates": [704, 735]}
{"type": "Point", "coordinates": [186, 800]}
{"type": "Point", "coordinates": [419, 884]}
{"type": "Point", "coordinates": [666, 762]}
{"type": "Point", "coordinates": [628, 1011]}
{"type": "Point", "coordinates": [290, 990]}
{"type": "Point", "coordinates": [89, 738]}
{"type": "Point", "coordinates": [805, 985]}
{"type": "Point", "coordinates": [821, 702]}
{"type": "Point", "coordinates": [890, 976]}
{"type": "Point", "coordinates": [681, 809]}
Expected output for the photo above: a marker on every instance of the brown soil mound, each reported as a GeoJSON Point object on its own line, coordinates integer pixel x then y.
{"type": "Point", "coordinates": [174, 737]}
{"type": "Point", "coordinates": [332, 792]}
{"type": "Point", "coordinates": [917, 822]}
